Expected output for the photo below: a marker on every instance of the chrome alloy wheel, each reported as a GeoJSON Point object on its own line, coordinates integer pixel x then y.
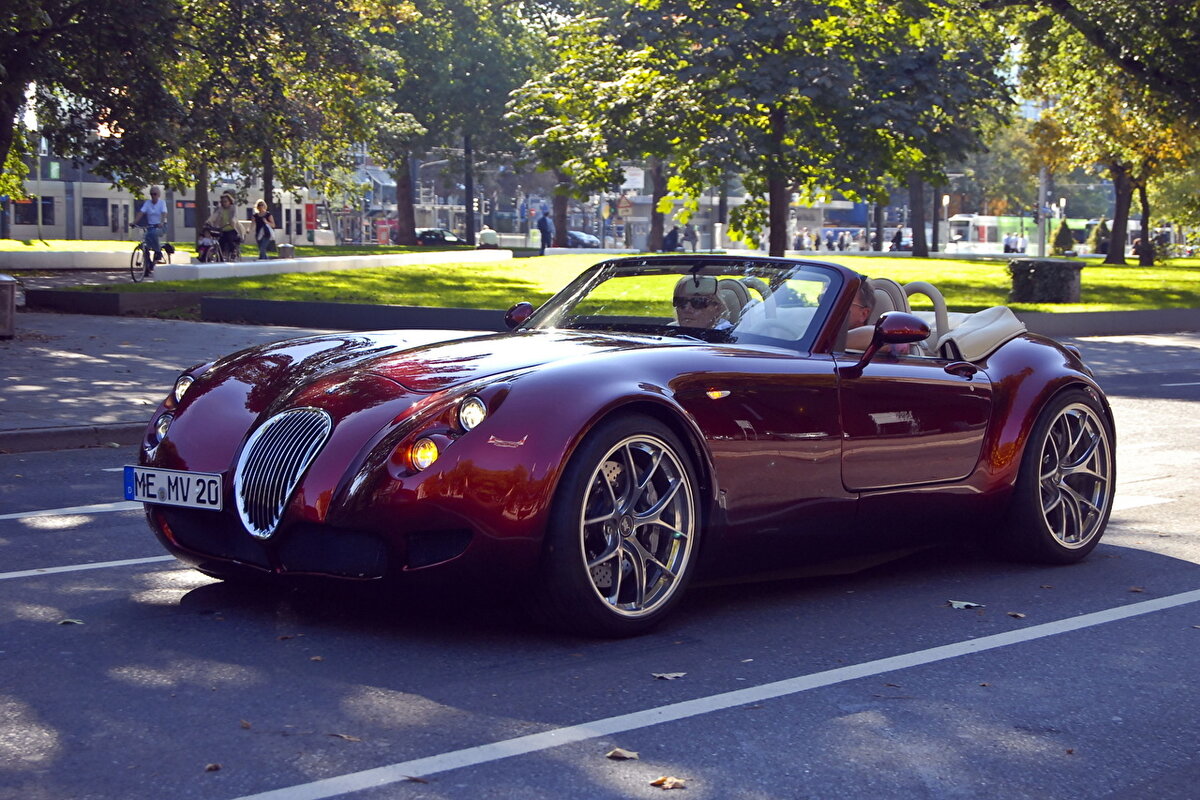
{"type": "Point", "coordinates": [637, 525]}
{"type": "Point", "coordinates": [1075, 476]}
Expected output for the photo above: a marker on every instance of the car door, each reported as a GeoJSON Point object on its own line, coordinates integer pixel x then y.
{"type": "Point", "coordinates": [912, 420]}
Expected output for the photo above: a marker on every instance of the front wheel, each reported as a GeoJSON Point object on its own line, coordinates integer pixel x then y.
{"type": "Point", "coordinates": [623, 532]}
{"type": "Point", "coordinates": [1064, 493]}
{"type": "Point", "coordinates": [137, 264]}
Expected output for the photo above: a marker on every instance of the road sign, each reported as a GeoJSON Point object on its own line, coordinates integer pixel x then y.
{"type": "Point", "coordinates": [624, 206]}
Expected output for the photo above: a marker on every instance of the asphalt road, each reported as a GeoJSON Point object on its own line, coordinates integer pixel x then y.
{"type": "Point", "coordinates": [125, 676]}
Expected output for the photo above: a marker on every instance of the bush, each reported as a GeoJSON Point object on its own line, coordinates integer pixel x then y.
{"type": "Point", "coordinates": [1097, 240]}
{"type": "Point", "coordinates": [1063, 240]}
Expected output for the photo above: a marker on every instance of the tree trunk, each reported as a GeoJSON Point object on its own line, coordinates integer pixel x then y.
{"type": "Point", "coordinates": [469, 187]}
{"type": "Point", "coordinates": [406, 216]}
{"type": "Point", "coordinates": [1123, 194]}
{"type": "Point", "coordinates": [268, 168]}
{"type": "Point", "coordinates": [1146, 252]}
{"type": "Point", "coordinates": [778, 194]}
{"type": "Point", "coordinates": [877, 245]}
{"type": "Point", "coordinates": [559, 208]}
{"type": "Point", "coordinates": [658, 190]}
{"type": "Point", "coordinates": [201, 197]}
{"type": "Point", "coordinates": [916, 215]}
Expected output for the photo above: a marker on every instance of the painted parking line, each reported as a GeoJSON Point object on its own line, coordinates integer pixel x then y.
{"type": "Point", "coordinates": [128, 562]}
{"type": "Point", "coordinates": [98, 508]}
{"type": "Point", "coordinates": [496, 751]}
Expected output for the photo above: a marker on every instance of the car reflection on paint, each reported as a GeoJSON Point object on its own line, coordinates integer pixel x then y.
{"type": "Point", "coordinates": [601, 455]}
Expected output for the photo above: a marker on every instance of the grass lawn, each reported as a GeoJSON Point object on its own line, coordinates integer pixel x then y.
{"type": "Point", "coordinates": [967, 285]}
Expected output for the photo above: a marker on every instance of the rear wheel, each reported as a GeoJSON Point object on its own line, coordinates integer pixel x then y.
{"type": "Point", "coordinates": [1064, 493]}
{"type": "Point", "coordinates": [623, 532]}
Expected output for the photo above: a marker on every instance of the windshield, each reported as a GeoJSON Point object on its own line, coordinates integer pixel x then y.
{"type": "Point", "coordinates": [711, 298]}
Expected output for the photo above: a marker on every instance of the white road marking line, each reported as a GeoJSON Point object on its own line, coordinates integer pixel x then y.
{"type": "Point", "coordinates": [1189, 383]}
{"type": "Point", "coordinates": [1126, 503]}
{"type": "Point", "coordinates": [123, 505]}
{"type": "Point", "coordinates": [483, 754]}
{"type": "Point", "coordinates": [29, 573]}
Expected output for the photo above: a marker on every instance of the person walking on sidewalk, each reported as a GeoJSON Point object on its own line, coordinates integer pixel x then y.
{"type": "Point", "coordinates": [545, 227]}
{"type": "Point", "coordinates": [264, 228]}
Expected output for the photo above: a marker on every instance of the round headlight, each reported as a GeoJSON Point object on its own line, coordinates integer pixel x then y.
{"type": "Point", "coordinates": [162, 426]}
{"type": "Point", "coordinates": [471, 412]}
{"type": "Point", "coordinates": [181, 386]}
{"type": "Point", "coordinates": [424, 452]}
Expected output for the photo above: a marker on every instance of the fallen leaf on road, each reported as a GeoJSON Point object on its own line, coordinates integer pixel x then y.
{"type": "Point", "coordinates": [964, 604]}
{"type": "Point", "coordinates": [317, 658]}
{"type": "Point", "coordinates": [414, 779]}
{"type": "Point", "coordinates": [287, 636]}
{"type": "Point", "coordinates": [1016, 615]}
{"type": "Point", "coordinates": [668, 676]}
{"type": "Point", "coordinates": [1136, 589]}
{"type": "Point", "coordinates": [1046, 586]}
{"type": "Point", "coordinates": [211, 767]}
{"type": "Point", "coordinates": [70, 622]}
{"type": "Point", "coordinates": [346, 736]}
{"type": "Point", "coordinates": [245, 725]}
{"type": "Point", "coordinates": [669, 782]}
{"type": "Point", "coordinates": [619, 754]}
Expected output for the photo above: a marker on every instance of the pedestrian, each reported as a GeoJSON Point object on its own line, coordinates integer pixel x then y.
{"type": "Point", "coordinates": [488, 238]}
{"type": "Point", "coordinates": [690, 237]}
{"type": "Point", "coordinates": [897, 239]}
{"type": "Point", "coordinates": [671, 240]}
{"type": "Point", "coordinates": [264, 228]}
{"type": "Point", "coordinates": [545, 227]}
{"type": "Point", "coordinates": [153, 215]}
{"type": "Point", "coordinates": [224, 222]}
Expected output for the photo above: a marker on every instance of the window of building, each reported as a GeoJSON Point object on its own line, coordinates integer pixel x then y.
{"type": "Point", "coordinates": [95, 211]}
{"type": "Point", "coordinates": [25, 212]}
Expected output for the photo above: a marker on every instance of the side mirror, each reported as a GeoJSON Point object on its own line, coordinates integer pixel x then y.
{"type": "Point", "coordinates": [894, 327]}
{"type": "Point", "coordinates": [517, 315]}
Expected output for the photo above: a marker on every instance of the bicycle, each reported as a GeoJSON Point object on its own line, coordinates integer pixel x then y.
{"type": "Point", "coordinates": [141, 262]}
{"type": "Point", "coordinates": [214, 252]}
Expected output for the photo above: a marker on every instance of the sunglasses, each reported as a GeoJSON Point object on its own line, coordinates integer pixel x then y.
{"type": "Point", "coordinates": [694, 302]}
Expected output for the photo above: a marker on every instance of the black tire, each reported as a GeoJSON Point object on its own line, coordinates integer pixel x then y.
{"type": "Point", "coordinates": [1064, 492]}
{"type": "Point", "coordinates": [624, 532]}
{"type": "Point", "coordinates": [137, 264]}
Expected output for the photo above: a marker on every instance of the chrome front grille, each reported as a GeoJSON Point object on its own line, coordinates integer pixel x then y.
{"type": "Point", "coordinates": [272, 462]}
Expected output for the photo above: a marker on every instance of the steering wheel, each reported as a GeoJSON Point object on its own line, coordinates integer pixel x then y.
{"type": "Point", "coordinates": [941, 318]}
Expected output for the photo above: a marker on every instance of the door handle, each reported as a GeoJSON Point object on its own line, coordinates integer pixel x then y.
{"type": "Point", "coordinates": [963, 369]}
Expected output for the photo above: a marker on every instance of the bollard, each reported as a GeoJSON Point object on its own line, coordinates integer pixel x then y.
{"type": "Point", "coordinates": [8, 306]}
{"type": "Point", "coordinates": [286, 251]}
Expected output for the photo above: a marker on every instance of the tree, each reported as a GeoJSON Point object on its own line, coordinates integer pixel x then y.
{"type": "Point", "coordinates": [1154, 42]}
{"type": "Point", "coordinates": [450, 70]}
{"type": "Point", "coordinates": [92, 72]}
{"type": "Point", "coordinates": [1105, 119]}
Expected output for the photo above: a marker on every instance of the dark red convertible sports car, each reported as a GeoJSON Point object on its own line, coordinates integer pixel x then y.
{"type": "Point", "coordinates": [660, 417]}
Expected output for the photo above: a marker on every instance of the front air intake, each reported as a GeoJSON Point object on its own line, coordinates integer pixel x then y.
{"type": "Point", "coordinates": [272, 462]}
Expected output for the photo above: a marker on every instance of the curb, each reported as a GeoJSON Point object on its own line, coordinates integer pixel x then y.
{"type": "Point", "coordinates": [32, 440]}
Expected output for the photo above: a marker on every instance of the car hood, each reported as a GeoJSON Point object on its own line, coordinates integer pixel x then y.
{"type": "Point", "coordinates": [419, 361]}
{"type": "Point", "coordinates": [444, 365]}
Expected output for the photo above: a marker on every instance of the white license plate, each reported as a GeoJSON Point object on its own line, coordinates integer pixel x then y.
{"type": "Point", "coordinates": [173, 487]}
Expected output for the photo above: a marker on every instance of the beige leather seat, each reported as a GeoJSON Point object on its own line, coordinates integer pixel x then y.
{"type": "Point", "coordinates": [980, 334]}
{"type": "Point", "coordinates": [735, 296]}
{"type": "Point", "coordinates": [889, 296]}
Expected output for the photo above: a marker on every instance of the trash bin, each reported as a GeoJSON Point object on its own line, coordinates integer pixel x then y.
{"type": "Point", "coordinates": [287, 251]}
{"type": "Point", "coordinates": [1045, 280]}
{"type": "Point", "coordinates": [8, 306]}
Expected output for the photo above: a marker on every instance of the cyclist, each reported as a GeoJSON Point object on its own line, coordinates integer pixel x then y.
{"type": "Point", "coordinates": [224, 220]}
{"type": "Point", "coordinates": [152, 214]}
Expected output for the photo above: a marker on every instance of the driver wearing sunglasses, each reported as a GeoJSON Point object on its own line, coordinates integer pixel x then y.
{"type": "Point", "coordinates": [697, 304]}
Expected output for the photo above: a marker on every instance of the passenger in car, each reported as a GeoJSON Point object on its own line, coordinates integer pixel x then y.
{"type": "Point", "coordinates": [697, 304]}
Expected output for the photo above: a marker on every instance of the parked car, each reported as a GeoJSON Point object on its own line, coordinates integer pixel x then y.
{"type": "Point", "coordinates": [581, 239]}
{"type": "Point", "coordinates": [609, 448]}
{"type": "Point", "coordinates": [438, 237]}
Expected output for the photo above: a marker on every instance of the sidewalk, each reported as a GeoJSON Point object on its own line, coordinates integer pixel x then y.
{"type": "Point", "coordinates": [76, 380]}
